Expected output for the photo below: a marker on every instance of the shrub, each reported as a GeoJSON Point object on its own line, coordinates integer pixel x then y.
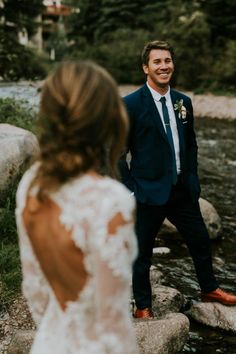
{"type": "Point", "coordinates": [224, 70]}
{"type": "Point", "coordinates": [18, 113]}
{"type": "Point", "coordinates": [10, 270]}
{"type": "Point", "coordinates": [119, 53]}
{"type": "Point", "coordinates": [17, 61]}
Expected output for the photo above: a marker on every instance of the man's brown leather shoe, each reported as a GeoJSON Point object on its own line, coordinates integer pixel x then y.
{"type": "Point", "coordinates": [144, 313]}
{"type": "Point", "coordinates": [219, 295]}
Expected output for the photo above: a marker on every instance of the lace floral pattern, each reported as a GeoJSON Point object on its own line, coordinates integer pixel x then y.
{"type": "Point", "coordinates": [99, 320]}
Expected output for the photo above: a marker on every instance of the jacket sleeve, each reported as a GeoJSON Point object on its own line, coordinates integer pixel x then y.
{"type": "Point", "coordinates": [123, 165]}
{"type": "Point", "coordinates": [191, 142]}
{"type": "Point", "coordinates": [191, 157]}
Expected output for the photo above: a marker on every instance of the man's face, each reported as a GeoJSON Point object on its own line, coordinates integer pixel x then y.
{"type": "Point", "coordinates": [159, 69]}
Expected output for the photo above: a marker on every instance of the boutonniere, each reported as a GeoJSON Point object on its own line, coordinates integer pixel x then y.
{"type": "Point", "coordinates": [182, 111]}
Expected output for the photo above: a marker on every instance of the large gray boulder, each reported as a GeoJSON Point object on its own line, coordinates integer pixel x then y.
{"type": "Point", "coordinates": [166, 300]}
{"type": "Point", "coordinates": [155, 275]}
{"type": "Point", "coordinates": [214, 315]}
{"type": "Point", "coordinates": [18, 147]}
{"type": "Point", "coordinates": [210, 216]}
{"type": "Point", "coordinates": [162, 336]}
{"type": "Point", "coordinates": [158, 336]}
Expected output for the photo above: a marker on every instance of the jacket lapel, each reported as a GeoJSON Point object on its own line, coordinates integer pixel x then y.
{"type": "Point", "coordinates": [174, 97]}
{"type": "Point", "coordinates": [153, 111]}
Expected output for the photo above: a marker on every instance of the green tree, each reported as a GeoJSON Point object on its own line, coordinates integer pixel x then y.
{"type": "Point", "coordinates": [16, 61]}
{"type": "Point", "coordinates": [83, 25]}
{"type": "Point", "coordinates": [184, 25]}
{"type": "Point", "coordinates": [119, 14]}
{"type": "Point", "coordinates": [198, 29]}
{"type": "Point", "coordinates": [221, 17]}
{"type": "Point", "coordinates": [224, 69]}
{"type": "Point", "coordinates": [20, 14]}
{"type": "Point", "coordinates": [121, 55]}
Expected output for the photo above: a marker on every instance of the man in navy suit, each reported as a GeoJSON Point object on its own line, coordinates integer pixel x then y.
{"type": "Point", "coordinates": [162, 174]}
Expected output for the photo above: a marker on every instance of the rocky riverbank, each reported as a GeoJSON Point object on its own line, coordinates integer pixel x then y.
{"type": "Point", "coordinates": [167, 333]}
{"type": "Point", "coordinates": [205, 105]}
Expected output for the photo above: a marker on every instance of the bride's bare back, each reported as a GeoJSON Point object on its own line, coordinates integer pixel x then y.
{"type": "Point", "coordinates": [77, 249]}
{"type": "Point", "coordinates": [60, 260]}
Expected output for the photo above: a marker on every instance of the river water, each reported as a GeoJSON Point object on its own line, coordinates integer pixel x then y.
{"type": "Point", "coordinates": [217, 170]}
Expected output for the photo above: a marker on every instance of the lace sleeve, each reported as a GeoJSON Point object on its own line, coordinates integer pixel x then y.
{"type": "Point", "coordinates": [34, 284]}
{"type": "Point", "coordinates": [115, 252]}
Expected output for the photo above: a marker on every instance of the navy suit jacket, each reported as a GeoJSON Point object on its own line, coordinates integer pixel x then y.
{"type": "Point", "coordinates": [149, 172]}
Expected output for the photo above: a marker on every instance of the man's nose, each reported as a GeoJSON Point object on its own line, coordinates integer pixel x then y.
{"type": "Point", "coordinates": [163, 65]}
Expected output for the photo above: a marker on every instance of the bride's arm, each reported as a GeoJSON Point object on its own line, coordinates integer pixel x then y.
{"type": "Point", "coordinates": [113, 279]}
{"type": "Point", "coordinates": [34, 285]}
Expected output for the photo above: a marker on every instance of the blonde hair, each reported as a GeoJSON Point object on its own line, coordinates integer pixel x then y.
{"type": "Point", "coordinates": [83, 124]}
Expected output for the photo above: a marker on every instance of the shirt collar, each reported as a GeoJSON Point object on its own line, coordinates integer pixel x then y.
{"type": "Point", "coordinates": [156, 96]}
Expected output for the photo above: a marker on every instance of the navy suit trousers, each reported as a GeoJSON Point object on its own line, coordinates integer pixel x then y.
{"type": "Point", "coordinates": [186, 216]}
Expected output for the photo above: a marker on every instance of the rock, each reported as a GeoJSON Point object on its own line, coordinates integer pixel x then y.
{"type": "Point", "coordinates": [155, 275]}
{"type": "Point", "coordinates": [214, 315]}
{"type": "Point", "coordinates": [163, 336]}
{"type": "Point", "coordinates": [167, 228]}
{"type": "Point", "coordinates": [17, 147]}
{"type": "Point", "coordinates": [166, 299]}
{"type": "Point", "coordinates": [21, 342]}
{"type": "Point", "coordinates": [161, 250]}
{"type": "Point", "coordinates": [218, 264]}
{"type": "Point", "coordinates": [210, 216]}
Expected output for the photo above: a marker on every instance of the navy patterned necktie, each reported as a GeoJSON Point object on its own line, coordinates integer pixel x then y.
{"type": "Point", "coordinates": [169, 137]}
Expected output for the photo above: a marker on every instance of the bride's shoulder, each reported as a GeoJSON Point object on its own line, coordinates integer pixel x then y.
{"type": "Point", "coordinates": [24, 184]}
{"type": "Point", "coordinates": [116, 186]}
{"type": "Point", "coordinates": [101, 192]}
{"type": "Point", "coordinates": [116, 191]}
{"type": "Point", "coordinates": [30, 172]}
{"type": "Point", "coordinates": [99, 184]}
{"type": "Point", "coordinates": [28, 175]}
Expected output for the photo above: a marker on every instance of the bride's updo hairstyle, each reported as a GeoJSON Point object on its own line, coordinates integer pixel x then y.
{"type": "Point", "coordinates": [83, 124]}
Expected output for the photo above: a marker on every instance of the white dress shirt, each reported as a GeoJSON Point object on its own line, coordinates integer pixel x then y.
{"type": "Point", "coordinates": [156, 96]}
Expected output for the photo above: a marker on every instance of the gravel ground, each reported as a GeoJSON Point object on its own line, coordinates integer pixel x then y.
{"type": "Point", "coordinates": [17, 317]}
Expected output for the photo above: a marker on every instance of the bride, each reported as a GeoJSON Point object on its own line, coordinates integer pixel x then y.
{"type": "Point", "coordinates": [75, 224]}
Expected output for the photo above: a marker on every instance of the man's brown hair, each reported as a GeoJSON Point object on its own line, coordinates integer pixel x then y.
{"type": "Point", "coordinates": [163, 45]}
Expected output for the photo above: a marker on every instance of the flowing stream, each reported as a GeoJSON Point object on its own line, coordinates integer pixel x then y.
{"type": "Point", "coordinates": [217, 170]}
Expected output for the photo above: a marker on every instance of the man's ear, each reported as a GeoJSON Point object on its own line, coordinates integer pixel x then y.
{"type": "Point", "coordinates": [145, 69]}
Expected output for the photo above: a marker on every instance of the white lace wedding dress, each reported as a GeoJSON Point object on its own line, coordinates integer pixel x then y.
{"type": "Point", "coordinates": [99, 321]}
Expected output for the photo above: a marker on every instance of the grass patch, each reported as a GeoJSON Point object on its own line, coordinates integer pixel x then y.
{"type": "Point", "coordinates": [10, 268]}
{"type": "Point", "coordinates": [18, 113]}
{"type": "Point", "coordinates": [10, 271]}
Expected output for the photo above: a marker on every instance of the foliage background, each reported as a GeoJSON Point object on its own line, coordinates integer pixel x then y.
{"type": "Point", "coordinates": [113, 32]}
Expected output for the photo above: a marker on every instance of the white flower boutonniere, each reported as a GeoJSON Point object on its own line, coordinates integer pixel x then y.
{"type": "Point", "coordinates": [182, 112]}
